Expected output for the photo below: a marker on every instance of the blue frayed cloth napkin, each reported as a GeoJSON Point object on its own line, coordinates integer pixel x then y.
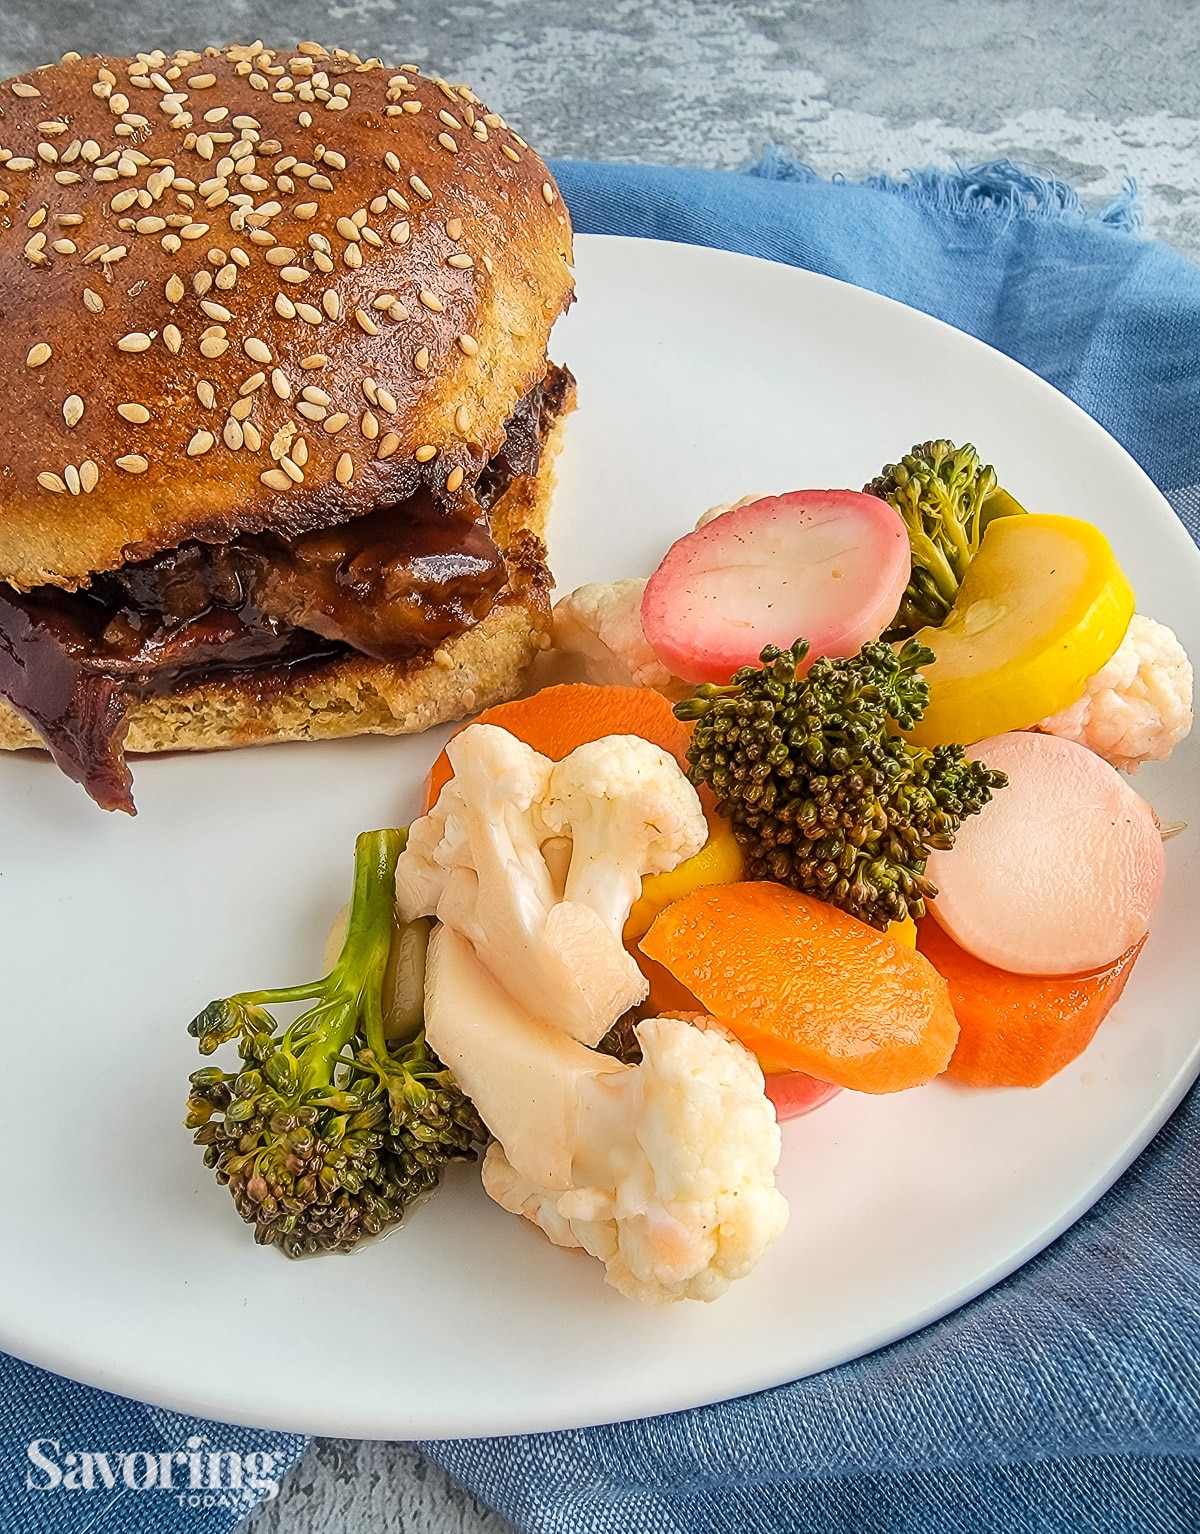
{"type": "Point", "coordinates": [1066, 1399]}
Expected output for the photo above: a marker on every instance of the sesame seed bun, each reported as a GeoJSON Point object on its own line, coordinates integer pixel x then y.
{"type": "Point", "coordinates": [192, 241]}
{"type": "Point", "coordinates": [357, 695]}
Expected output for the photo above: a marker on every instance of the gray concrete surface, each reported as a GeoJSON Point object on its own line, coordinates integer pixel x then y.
{"type": "Point", "coordinates": [1094, 89]}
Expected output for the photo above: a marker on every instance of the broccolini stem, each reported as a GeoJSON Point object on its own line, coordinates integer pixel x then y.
{"type": "Point", "coordinates": [354, 986]}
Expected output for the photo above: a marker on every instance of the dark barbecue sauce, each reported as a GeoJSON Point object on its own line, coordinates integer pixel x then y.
{"type": "Point", "coordinates": [393, 585]}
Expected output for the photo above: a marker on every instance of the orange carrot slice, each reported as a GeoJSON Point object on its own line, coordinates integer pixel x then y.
{"type": "Point", "coordinates": [1019, 1030]}
{"type": "Point", "coordinates": [808, 988]}
{"type": "Point", "coordinates": [557, 719]}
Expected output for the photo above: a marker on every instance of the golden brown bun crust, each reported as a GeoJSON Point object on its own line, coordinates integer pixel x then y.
{"type": "Point", "coordinates": [169, 262]}
{"type": "Point", "coordinates": [358, 696]}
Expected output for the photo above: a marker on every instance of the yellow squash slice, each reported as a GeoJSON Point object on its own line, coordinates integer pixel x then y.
{"type": "Point", "coordinates": [1043, 605]}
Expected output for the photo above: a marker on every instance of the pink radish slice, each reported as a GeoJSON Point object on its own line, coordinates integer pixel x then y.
{"type": "Point", "coordinates": [794, 1093]}
{"type": "Point", "coordinates": [1061, 872]}
{"type": "Point", "coordinates": [829, 566]}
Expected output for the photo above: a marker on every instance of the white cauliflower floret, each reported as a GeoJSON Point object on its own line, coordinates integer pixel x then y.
{"type": "Point", "coordinates": [629, 811]}
{"type": "Point", "coordinates": [601, 626]}
{"type": "Point", "coordinates": [664, 1171]}
{"type": "Point", "coordinates": [1138, 707]}
{"type": "Point", "coordinates": [476, 863]}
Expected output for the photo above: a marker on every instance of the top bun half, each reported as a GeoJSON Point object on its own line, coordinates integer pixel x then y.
{"type": "Point", "coordinates": [246, 290]}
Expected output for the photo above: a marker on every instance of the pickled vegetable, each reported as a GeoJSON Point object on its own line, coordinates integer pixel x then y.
{"type": "Point", "coordinates": [1043, 605]}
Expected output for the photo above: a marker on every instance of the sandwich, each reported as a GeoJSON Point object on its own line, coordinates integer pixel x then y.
{"type": "Point", "coordinates": [278, 449]}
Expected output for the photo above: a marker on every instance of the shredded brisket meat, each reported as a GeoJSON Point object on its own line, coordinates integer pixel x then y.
{"type": "Point", "coordinates": [393, 584]}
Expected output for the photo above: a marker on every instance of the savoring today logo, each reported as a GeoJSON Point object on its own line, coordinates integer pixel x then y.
{"type": "Point", "coordinates": [196, 1476]}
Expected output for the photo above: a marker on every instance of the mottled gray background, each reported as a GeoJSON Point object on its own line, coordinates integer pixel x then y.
{"type": "Point", "coordinates": [1096, 90]}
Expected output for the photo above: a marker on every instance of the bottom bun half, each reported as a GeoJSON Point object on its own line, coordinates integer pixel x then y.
{"type": "Point", "coordinates": [356, 695]}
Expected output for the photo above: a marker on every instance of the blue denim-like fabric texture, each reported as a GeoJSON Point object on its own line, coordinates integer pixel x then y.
{"type": "Point", "coordinates": [1067, 1399]}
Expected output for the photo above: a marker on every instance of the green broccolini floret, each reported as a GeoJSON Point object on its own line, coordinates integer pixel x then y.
{"type": "Point", "coordinates": [946, 497]}
{"type": "Point", "coordinates": [820, 791]}
{"type": "Point", "coordinates": [330, 1129]}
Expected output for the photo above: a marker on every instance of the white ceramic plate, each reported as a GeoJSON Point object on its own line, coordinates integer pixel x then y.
{"type": "Point", "coordinates": [702, 376]}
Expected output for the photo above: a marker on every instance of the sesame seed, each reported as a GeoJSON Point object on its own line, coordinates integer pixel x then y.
{"type": "Point", "coordinates": [306, 209]}
{"type": "Point", "coordinates": [135, 341]}
{"type": "Point", "coordinates": [241, 407]}
{"type": "Point", "coordinates": [200, 444]}
{"type": "Point", "coordinates": [309, 313]}
{"type": "Point", "coordinates": [280, 255]}
{"type": "Point", "coordinates": [138, 414]}
{"type": "Point", "coordinates": [249, 385]}
{"type": "Point", "coordinates": [454, 228]}
{"type": "Point", "coordinates": [206, 394]}
{"type": "Point", "coordinates": [352, 256]}
{"type": "Point", "coordinates": [507, 149]}
{"type": "Point", "coordinates": [426, 453]}
{"type": "Point", "coordinates": [420, 188]}
{"type": "Point", "coordinates": [275, 479]}
{"type": "Point", "coordinates": [347, 229]}
{"type": "Point", "coordinates": [292, 469]}
{"type": "Point", "coordinates": [460, 260]}
{"type": "Point", "coordinates": [201, 82]}
{"type": "Point", "coordinates": [334, 423]}
{"type": "Point", "coordinates": [21, 89]}
{"type": "Point", "coordinates": [72, 410]}
{"type": "Point", "coordinates": [331, 303]}
{"type": "Point", "coordinates": [256, 350]}
{"type": "Point", "coordinates": [454, 479]}
{"type": "Point", "coordinates": [233, 435]}
{"type": "Point", "coordinates": [384, 301]}
{"type": "Point", "coordinates": [312, 412]}
{"type": "Point", "coordinates": [294, 274]}
{"type": "Point", "coordinates": [284, 306]}
{"type": "Point", "coordinates": [443, 660]}
{"type": "Point", "coordinates": [216, 311]}
{"type": "Point", "coordinates": [462, 418]}
{"type": "Point", "coordinates": [317, 360]}
{"type": "Point", "coordinates": [213, 346]}
{"type": "Point", "coordinates": [52, 482]}
{"type": "Point", "coordinates": [193, 231]}
{"type": "Point", "coordinates": [299, 452]}
{"type": "Point", "coordinates": [399, 233]}
{"type": "Point", "coordinates": [387, 445]}
{"type": "Point", "coordinates": [173, 339]}
{"type": "Point", "coordinates": [547, 192]}
{"type": "Point", "coordinates": [344, 472]}
{"type": "Point", "coordinates": [133, 463]}
{"type": "Point", "coordinates": [252, 436]}
{"type": "Point", "coordinates": [369, 425]}
{"type": "Point", "coordinates": [39, 354]}
{"type": "Point", "coordinates": [174, 289]}
{"type": "Point", "coordinates": [468, 344]}
{"type": "Point", "coordinates": [280, 384]}
{"type": "Point", "coordinates": [445, 140]}
{"type": "Point", "coordinates": [365, 322]}
{"type": "Point", "coordinates": [421, 360]}
{"type": "Point", "coordinates": [410, 106]}
{"type": "Point", "coordinates": [89, 476]}
{"type": "Point", "coordinates": [385, 400]}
